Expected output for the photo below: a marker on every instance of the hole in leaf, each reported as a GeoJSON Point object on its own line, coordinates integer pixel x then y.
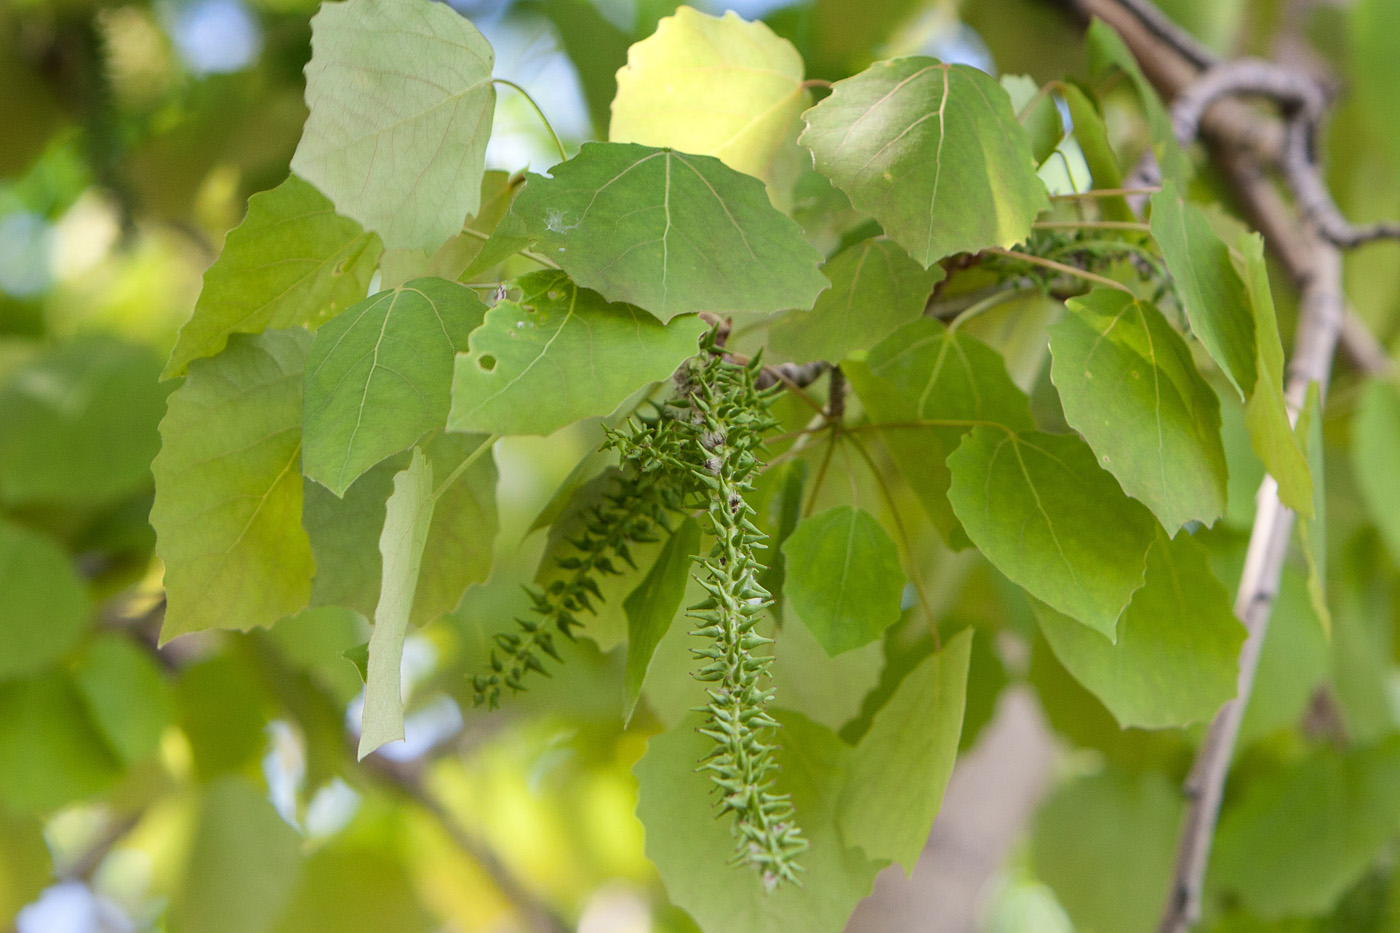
{"type": "Point", "coordinates": [487, 362]}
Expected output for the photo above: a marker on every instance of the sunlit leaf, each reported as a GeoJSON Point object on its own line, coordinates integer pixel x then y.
{"type": "Point", "coordinates": [715, 86]}
{"type": "Point", "coordinates": [670, 232]}
{"type": "Point", "coordinates": [560, 353]}
{"type": "Point", "coordinates": [401, 104]}
{"type": "Point", "coordinates": [1045, 515]}
{"type": "Point", "coordinates": [1128, 385]}
{"type": "Point", "coordinates": [379, 377]}
{"type": "Point", "coordinates": [933, 151]}
{"type": "Point", "coordinates": [292, 262]}
{"type": "Point", "coordinates": [227, 511]}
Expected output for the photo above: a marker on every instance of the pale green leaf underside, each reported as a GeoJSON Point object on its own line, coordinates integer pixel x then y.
{"type": "Point", "coordinates": [1129, 386]}
{"type": "Point", "coordinates": [875, 288]}
{"type": "Point", "coordinates": [560, 353]}
{"type": "Point", "coordinates": [407, 517]}
{"type": "Point", "coordinates": [1266, 413]}
{"type": "Point", "coordinates": [227, 511]}
{"type": "Point", "coordinates": [924, 372]}
{"type": "Point", "coordinates": [709, 85]}
{"type": "Point", "coordinates": [691, 848]}
{"type": "Point", "coordinates": [401, 104]}
{"type": "Point", "coordinates": [652, 606]}
{"type": "Point", "coordinates": [670, 232]}
{"type": "Point", "coordinates": [843, 577]}
{"type": "Point", "coordinates": [292, 262]}
{"type": "Point", "coordinates": [379, 376]}
{"type": "Point", "coordinates": [903, 762]}
{"type": "Point", "coordinates": [933, 152]}
{"type": "Point", "coordinates": [1041, 510]}
{"type": "Point", "coordinates": [1215, 298]}
{"type": "Point", "coordinates": [1177, 656]}
{"type": "Point", "coordinates": [345, 532]}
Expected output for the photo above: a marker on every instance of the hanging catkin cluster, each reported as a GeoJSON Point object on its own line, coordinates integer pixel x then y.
{"type": "Point", "coordinates": [707, 442]}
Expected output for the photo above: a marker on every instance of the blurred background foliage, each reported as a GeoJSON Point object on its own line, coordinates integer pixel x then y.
{"type": "Point", "coordinates": [211, 786]}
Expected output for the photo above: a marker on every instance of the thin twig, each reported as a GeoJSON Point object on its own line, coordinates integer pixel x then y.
{"type": "Point", "coordinates": [1059, 267]}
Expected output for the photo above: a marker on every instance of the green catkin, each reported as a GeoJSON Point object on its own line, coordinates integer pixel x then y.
{"type": "Point", "coordinates": [707, 443]}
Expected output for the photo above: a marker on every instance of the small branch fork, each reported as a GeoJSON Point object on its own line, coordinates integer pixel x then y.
{"type": "Point", "coordinates": [1307, 236]}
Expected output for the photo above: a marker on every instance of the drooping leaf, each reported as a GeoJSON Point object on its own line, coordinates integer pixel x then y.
{"type": "Point", "coordinates": [1299, 837]}
{"type": "Point", "coordinates": [1375, 450]}
{"type": "Point", "coordinates": [292, 262]}
{"type": "Point", "coordinates": [1044, 514]}
{"type": "Point", "coordinates": [407, 517]}
{"type": "Point", "coordinates": [560, 353]}
{"type": "Point", "coordinates": [1129, 386]}
{"type": "Point", "coordinates": [717, 86]}
{"type": "Point", "coordinates": [125, 694]}
{"type": "Point", "coordinates": [227, 511]}
{"type": "Point", "coordinates": [690, 848]}
{"type": "Point", "coordinates": [1108, 878]}
{"type": "Point", "coordinates": [903, 762]}
{"type": "Point", "coordinates": [1107, 54]}
{"type": "Point", "coordinates": [1266, 413]}
{"type": "Point", "coordinates": [875, 288]}
{"type": "Point", "coordinates": [670, 232]}
{"type": "Point", "coordinates": [924, 372]}
{"type": "Point", "coordinates": [379, 377]}
{"type": "Point", "coordinates": [1215, 298]}
{"type": "Point", "coordinates": [401, 104]}
{"type": "Point", "coordinates": [933, 152]}
{"type": "Point", "coordinates": [652, 606]}
{"type": "Point", "coordinates": [1036, 112]}
{"type": "Point", "coordinates": [79, 423]}
{"type": "Point", "coordinates": [242, 867]}
{"type": "Point", "coordinates": [843, 577]}
{"type": "Point", "coordinates": [1312, 529]}
{"type": "Point", "coordinates": [43, 604]}
{"type": "Point", "coordinates": [345, 532]}
{"type": "Point", "coordinates": [1177, 656]}
{"type": "Point", "coordinates": [1092, 136]}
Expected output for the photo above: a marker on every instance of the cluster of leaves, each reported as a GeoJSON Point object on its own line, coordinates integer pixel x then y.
{"type": "Point", "coordinates": [1066, 468]}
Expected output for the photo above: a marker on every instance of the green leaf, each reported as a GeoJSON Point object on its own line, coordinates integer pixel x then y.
{"type": "Point", "coordinates": [368, 890]}
{"type": "Point", "coordinates": [596, 46]}
{"type": "Point", "coordinates": [401, 103]}
{"type": "Point", "coordinates": [1215, 299]}
{"type": "Point", "coordinates": [80, 423]}
{"type": "Point", "coordinates": [53, 752]}
{"type": "Point", "coordinates": [223, 710]}
{"type": "Point", "coordinates": [560, 353]}
{"type": "Point", "coordinates": [1177, 656]}
{"type": "Point", "coordinates": [242, 867]}
{"type": "Point", "coordinates": [670, 232]}
{"type": "Point", "coordinates": [379, 377]}
{"type": "Point", "coordinates": [1301, 836]}
{"type": "Point", "coordinates": [227, 511]}
{"type": "Point", "coordinates": [933, 152]}
{"type": "Point", "coordinates": [1044, 514]}
{"type": "Point", "coordinates": [717, 86]}
{"type": "Point", "coordinates": [1036, 112]}
{"type": "Point", "coordinates": [925, 372]}
{"type": "Point", "coordinates": [1271, 432]}
{"type": "Point", "coordinates": [1107, 54]}
{"type": "Point", "coordinates": [691, 849]}
{"type": "Point", "coordinates": [652, 606]}
{"type": "Point", "coordinates": [1129, 386]}
{"type": "Point", "coordinates": [1105, 844]}
{"type": "Point", "coordinates": [359, 657]}
{"type": "Point", "coordinates": [843, 577]}
{"type": "Point", "coordinates": [903, 762]}
{"type": "Point", "coordinates": [43, 603]}
{"type": "Point", "coordinates": [1091, 134]}
{"type": "Point", "coordinates": [292, 262]}
{"type": "Point", "coordinates": [126, 695]}
{"type": "Point", "coordinates": [1312, 529]}
{"type": "Point", "coordinates": [407, 516]}
{"type": "Point", "coordinates": [875, 288]}
{"type": "Point", "coordinates": [827, 690]}
{"type": "Point", "coordinates": [1374, 45]}
{"type": "Point", "coordinates": [1375, 450]}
